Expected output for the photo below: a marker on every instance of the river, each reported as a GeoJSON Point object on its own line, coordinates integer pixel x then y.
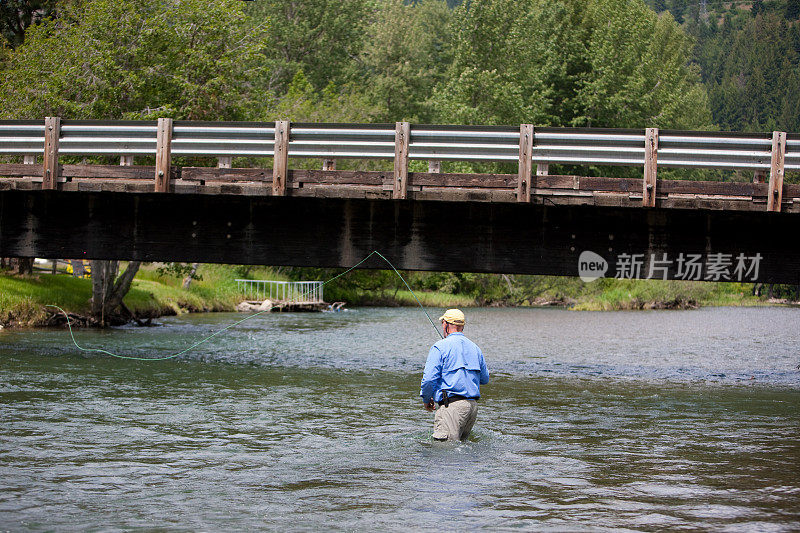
{"type": "Point", "coordinates": [643, 421]}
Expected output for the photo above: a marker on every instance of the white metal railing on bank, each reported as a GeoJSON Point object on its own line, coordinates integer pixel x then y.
{"type": "Point", "coordinates": [282, 291]}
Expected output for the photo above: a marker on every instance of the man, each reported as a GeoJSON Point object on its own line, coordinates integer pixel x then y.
{"type": "Point", "coordinates": [454, 372]}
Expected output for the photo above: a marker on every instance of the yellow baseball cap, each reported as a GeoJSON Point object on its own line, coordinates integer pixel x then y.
{"type": "Point", "coordinates": [454, 316]}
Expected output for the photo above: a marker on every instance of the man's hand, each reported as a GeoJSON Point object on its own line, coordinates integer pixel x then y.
{"type": "Point", "coordinates": [430, 406]}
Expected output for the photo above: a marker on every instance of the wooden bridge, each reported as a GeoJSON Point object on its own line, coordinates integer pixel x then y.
{"type": "Point", "coordinates": [52, 204]}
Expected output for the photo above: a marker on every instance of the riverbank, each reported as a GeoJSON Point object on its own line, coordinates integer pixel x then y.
{"type": "Point", "coordinates": [153, 294]}
{"type": "Point", "coordinates": [23, 300]}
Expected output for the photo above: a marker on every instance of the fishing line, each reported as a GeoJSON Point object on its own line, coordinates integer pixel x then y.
{"type": "Point", "coordinates": [206, 339]}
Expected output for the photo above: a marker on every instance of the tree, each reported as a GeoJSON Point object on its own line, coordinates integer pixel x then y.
{"type": "Point", "coordinates": [754, 76]}
{"type": "Point", "coordinates": [190, 59]}
{"type": "Point", "coordinates": [792, 11]}
{"type": "Point", "coordinates": [17, 15]}
{"type": "Point", "coordinates": [108, 289]}
{"type": "Point", "coordinates": [406, 55]}
{"type": "Point", "coordinates": [320, 37]}
{"type": "Point", "coordinates": [611, 63]}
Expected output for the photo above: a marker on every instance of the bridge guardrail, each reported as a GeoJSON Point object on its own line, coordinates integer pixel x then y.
{"type": "Point", "coordinates": [763, 153]}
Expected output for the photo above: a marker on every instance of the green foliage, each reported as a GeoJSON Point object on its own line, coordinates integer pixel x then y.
{"type": "Point", "coordinates": [607, 63]}
{"type": "Point", "coordinates": [319, 37]}
{"type": "Point", "coordinates": [792, 10]}
{"type": "Point", "coordinates": [753, 75]}
{"type": "Point", "coordinates": [16, 16]}
{"type": "Point", "coordinates": [179, 270]}
{"type": "Point", "coordinates": [406, 54]}
{"type": "Point", "coordinates": [189, 59]}
{"type": "Point", "coordinates": [303, 103]}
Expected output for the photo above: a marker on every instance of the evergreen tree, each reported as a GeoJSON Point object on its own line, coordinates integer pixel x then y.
{"type": "Point", "coordinates": [792, 11]}
{"type": "Point", "coordinates": [754, 75]}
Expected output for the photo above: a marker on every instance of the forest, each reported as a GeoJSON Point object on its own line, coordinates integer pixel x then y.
{"type": "Point", "coordinates": [613, 63]}
{"type": "Point", "coordinates": [679, 64]}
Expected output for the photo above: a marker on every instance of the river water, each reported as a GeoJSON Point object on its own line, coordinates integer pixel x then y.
{"type": "Point", "coordinates": [592, 421]}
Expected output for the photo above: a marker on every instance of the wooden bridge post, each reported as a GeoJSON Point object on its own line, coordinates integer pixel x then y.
{"type": "Point", "coordinates": [163, 154]}
{"type": "Point", "coordinates": [650, 167]}
{"type": "Point", "coordinates": [225, 161]}
{"type": "Point", "coordinates": [402, 135]}
{"type": "Point", "coordinates": [29, 159]}
{"type": "Point", "coordinates": [525, 163]}
{"type": "Point", "coordinates": [776, 171]}
{"type": "Point", "coordinates": [435, 166]}
{"type": "Point", "coordinates": [52, 133]}
{"type": "Point", "coordinates": [126, 160]}
{"type": "Point", "coordinates": [280, 168]}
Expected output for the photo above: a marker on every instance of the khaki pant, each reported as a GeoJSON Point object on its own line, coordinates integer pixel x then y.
{"type": "Point", "coordinates": [455, 421]}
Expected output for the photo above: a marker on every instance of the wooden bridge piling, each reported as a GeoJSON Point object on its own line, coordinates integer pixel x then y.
{"type": "Point", "coordinates": [650, 167]}
{"type": "Point", "coordinates": [163, 154]}
{"type": "Point", "coordinates": [402, 134]}
{"type": "Point", "coordinates": [52, 134]}
{"type": "Point", "coordinates": [525, 163]}
{"type": "Point", "coordinates": [777, 163]}
{"type": "Point", "coordinates": [280, 169]}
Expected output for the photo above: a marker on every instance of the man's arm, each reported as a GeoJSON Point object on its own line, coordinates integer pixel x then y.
{"type": "Point", "coordinates": [484, 371]}
{"type": "Point", "coordinates": [432, 376]}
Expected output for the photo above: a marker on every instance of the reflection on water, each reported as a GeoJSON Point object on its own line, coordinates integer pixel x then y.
{"type": "Point", "coordinates": [644, 421]}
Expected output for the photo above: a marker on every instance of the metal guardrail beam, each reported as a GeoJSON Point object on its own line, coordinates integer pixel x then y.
{"type": "Point", "coordinates": [578, 146]}
{"type": "Point", "coordinates": [570, 146]}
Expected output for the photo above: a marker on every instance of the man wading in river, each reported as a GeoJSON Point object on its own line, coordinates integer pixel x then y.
{"type": "Point", "coordinates": [454, 372]}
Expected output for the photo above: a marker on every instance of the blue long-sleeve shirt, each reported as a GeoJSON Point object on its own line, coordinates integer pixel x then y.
{"type": "Point", "coordinates": [455, 364]}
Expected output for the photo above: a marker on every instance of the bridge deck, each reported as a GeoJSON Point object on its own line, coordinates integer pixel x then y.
{"type": "Point", "coordinates": [501, 188]}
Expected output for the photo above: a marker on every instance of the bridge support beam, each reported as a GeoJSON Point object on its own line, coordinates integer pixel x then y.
{"type": "Point", "coordinates": [334, 232]}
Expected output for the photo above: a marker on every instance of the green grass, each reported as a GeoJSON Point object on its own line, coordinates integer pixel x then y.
{"type": "Point", "coordinates": [614, 294]}
{"type": "Point", "coordinates": [23, 299]}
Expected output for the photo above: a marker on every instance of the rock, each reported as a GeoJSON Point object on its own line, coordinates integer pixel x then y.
{"type": "Point", "coordinates": [266, 305]}
{"type": "Point", "coordinates": [246, 307]}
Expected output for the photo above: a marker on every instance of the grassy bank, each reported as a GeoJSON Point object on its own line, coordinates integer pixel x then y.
{"type": "Point", "coordinates": [23, 299]}
{"type": "Point", "coordinates": [616, 294]}
{"type": "Point", "coordinates": [154, 293]}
